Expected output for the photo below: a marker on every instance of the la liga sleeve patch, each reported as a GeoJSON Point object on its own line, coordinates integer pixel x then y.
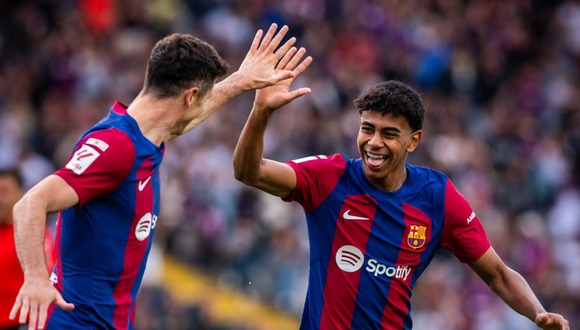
{"type": "Point", "coordinates": [316, 176]}
{"type": "Point", "coordinates": [99, 163]}
{"type": "Point", "coordinates": [82, 159]}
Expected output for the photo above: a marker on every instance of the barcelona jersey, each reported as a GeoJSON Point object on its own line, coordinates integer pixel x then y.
{"type": "Point", "coordinates": [103, 242]}
{"type": "Point", "coordinates": [369, 246]}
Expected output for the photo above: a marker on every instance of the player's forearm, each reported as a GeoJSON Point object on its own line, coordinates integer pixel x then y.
{"type": "Point", "coordinates": [221, 94]}
{"type": "Point", "coordinates": [29, 234]}
{"type": "Point", "coordinates": [515, 291]}
{"type": "Point", "coordinates": [247, 156]}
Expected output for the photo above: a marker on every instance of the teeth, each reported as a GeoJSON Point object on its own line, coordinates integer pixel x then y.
{"type": "Point", "coordinates": [373, 156]}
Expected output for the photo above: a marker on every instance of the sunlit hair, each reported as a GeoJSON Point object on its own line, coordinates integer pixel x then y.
{"type": "Point", "coordinates": [393, 97]}
{"type": "Point", "coordinates": [182, 61]}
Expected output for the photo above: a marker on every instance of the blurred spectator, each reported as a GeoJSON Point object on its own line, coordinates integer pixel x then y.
{"type": "Point", "coordinates": [11, 189]}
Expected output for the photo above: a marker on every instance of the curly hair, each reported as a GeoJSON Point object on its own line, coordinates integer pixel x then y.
{"type": "Point", "coordinates": [393, 97]}
{"type": "Point", "coordinates": [181, 61]}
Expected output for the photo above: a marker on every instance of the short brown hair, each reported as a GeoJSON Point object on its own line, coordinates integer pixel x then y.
{"type": "Point", "coordinates": [181, 61]}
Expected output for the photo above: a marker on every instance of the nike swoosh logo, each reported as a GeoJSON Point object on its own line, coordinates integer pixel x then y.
{"type": "Point", "coordinates": [347, 216]}
{"type": "Point", "coordinates": [142, 183]}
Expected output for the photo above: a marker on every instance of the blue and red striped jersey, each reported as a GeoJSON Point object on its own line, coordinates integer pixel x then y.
{"type": "Point", "coordinates": [369, 246]}
{"type": "Point", "coordinates": [103, 242]}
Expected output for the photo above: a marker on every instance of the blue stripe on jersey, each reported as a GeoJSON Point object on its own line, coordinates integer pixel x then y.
{"type": "Point", "coordinates": [374, 284]}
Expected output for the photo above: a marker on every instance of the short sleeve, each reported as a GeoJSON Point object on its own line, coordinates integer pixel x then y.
{"type": "Point", "coordinates": [99, 163]}
{"type": "Point", "coordinates": [463, 234]}
{"type": "Point", "coordinates": [316, 177]}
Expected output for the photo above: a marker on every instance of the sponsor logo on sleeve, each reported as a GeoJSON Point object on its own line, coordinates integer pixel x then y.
{"type": "Point", "coordinates": [98, 143]}
{"type": "Point", "coordinates": [82, 159]}
{"type": "Point", "coordinates": [309, 158]}
{"type": "Point", "coordinates": [470, 217]}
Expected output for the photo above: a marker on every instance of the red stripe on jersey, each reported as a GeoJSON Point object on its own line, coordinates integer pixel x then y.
{"type": "Point", "coordinates": [340, 290]}
{"type": "Point", "coordinates": [136, 245]}
{"type": "Point", "coordinates": [410, 253]}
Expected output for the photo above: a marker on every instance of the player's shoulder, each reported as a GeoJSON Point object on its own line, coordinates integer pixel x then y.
{"type": "Point", "coordinates": [106, 138]}
{"type": "Point", "coordinates": [427, 179]}
{"type": "Point", "coordinates": [426, 173]}
{"type": "Point", "coordinates": [107, 148]}
{"type": "Point", "coordinates": [332, 160]}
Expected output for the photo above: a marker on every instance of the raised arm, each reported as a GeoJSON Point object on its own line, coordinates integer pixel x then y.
{"type": "Point", "coordinates": [250, 167]}
{"type": "Point", "coordinates": [258, 70]}
{"type": "Point", "coordinates": [37, 293]}
{"type": "Point", "coordinates": [513, 289]}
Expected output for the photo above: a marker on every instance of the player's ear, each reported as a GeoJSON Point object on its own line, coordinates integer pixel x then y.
{"type": "Point", "coordinates": [190, 95]}
{"type": "Point", "coordinates": [415, 139]}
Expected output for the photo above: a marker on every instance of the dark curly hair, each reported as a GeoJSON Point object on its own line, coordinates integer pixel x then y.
{"type": "Point", "coordinates": [395, 98]}
{"type": "Point", "coordinates": [181, 61]}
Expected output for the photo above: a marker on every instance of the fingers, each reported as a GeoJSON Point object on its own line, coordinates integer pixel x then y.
{"type": "Point", "coordinates": [281, 76]}
{"type": "Point", "coordinates": [283, 50]}
{"type": "Point", "coordinates": [283, 63]}
{"type": "Point", "coordinates": [295, 63]}
{"type": "Point", "coordinates": [270, 44]}
{"type": "Point", "coordinates": [60, 302]}
{"type": "Point", "coordinates": [33, 317]}
{"type": "Point", "coordinates": [23, 313]}
{"type": "Point", "coordinates": [268, 36]}
{"type": "Point", "coordinates": [256, 41]}
{"type": "Point", "coordinates": [302, 67]}
{"type": "Point", "coordinates": [272, 40]}
{"type": "Point", "coordinates": [552, 321]}
{"type": "Point", "coordinates": [15, 308]}
{"type": "Point", "coordinates": [42, 315]}
{"type": "Point", "coordinates": [299, 92]}
{"type": "Point", "coordinates": [291, 61]}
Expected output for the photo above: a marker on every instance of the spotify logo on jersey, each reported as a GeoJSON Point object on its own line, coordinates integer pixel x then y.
{"type": "Point", "coordinates": [349, 258]}
{"type": "Point", "coordinates": [143, 227]}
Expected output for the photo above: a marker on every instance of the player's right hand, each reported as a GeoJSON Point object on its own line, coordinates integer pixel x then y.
{"type": "Point", "coordinates": [548, 321]}
{"type": "Point", "coordinates": [33, 301]}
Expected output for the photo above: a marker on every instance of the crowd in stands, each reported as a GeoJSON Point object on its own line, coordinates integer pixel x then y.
{"type": "Point", "coordinates": [500, 81]}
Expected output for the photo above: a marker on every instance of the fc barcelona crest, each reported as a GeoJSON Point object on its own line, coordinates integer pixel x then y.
{"type": "Point", "coordinates": [417, 236]}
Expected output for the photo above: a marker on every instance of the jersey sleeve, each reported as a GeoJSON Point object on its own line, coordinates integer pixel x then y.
{"type": "Point", "coordinates": [99, 163]}
{"type": "Point", "coordinates": [316, 177]}
{"type": "Point", "coordinates": [463, 234]}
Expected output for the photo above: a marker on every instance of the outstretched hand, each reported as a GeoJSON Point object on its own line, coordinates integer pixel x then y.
{"type": "Point", "coordinates": [551, 321]}
{"type": "Point", "coordinates": [33, 301]}
{"type": "Point", "coordinates": [259, 68]}
{"type": "Point", "coordinates": [276, 96]}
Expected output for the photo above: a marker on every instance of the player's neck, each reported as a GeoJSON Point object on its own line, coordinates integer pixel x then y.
{"type": "Point", "coordinates": [393, 181]}
{"type": "Point", "coordinates": [156, 118]}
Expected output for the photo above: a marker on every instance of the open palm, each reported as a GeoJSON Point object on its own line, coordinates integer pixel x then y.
{"type": "Point", "coordinates": [279, 94]}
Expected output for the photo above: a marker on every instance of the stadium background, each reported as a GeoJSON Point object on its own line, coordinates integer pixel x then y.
{"type": "Point", "coordinates": [501, 84]}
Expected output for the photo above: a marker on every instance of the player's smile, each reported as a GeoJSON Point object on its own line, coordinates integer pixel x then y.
{"type": "Point", "coordinates": [374, 160]}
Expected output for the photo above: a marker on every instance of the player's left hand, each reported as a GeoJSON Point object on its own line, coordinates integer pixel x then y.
{"type": "Point", "coordinates": [552, 321]}
{"type": "Point", "coordinates": [258, 69]}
